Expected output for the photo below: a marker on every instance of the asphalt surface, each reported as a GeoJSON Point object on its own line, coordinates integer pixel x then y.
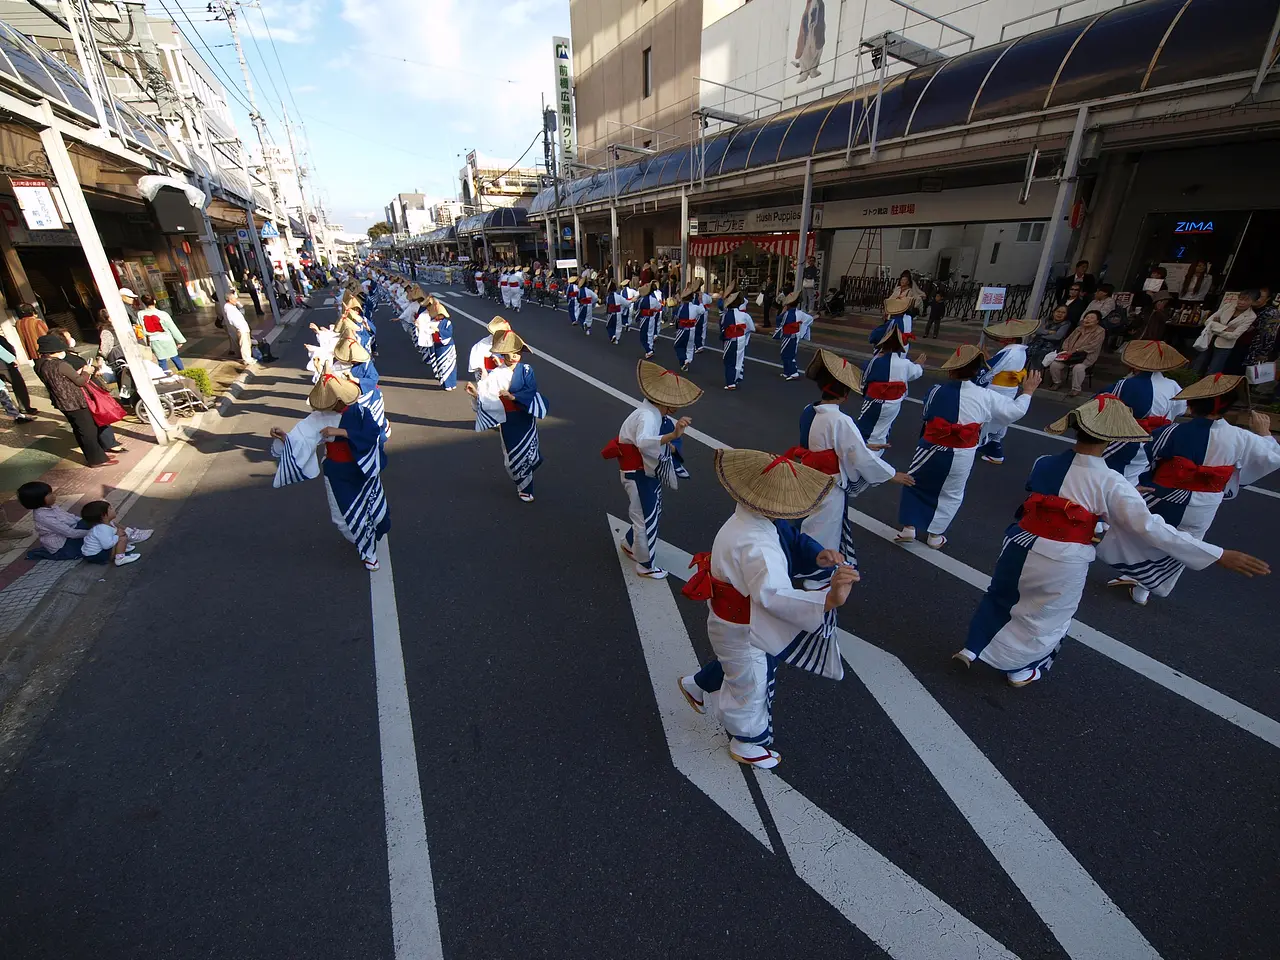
{"type": "Point", "coordinates": [210, 783]}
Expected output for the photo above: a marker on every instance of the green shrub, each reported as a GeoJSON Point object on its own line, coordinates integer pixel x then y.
{"type": "Point", "coordinates": [200, 381]}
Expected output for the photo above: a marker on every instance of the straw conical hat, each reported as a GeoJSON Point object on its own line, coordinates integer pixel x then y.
{"type": "Point", "coordinates": [1106, 417]}
{"type": "Point", "coordinates": [840, 369]}
{"type": "Point", "coordinates": [665, 388]}
{"type": "Point", "coordinates": [896, 305]}
{"type": "Point", "coordinates": [416, 293]}
{"type": "Point", "coordinates": [1151, 355]}
{"type": "Point", "coordinates": [634, 283]}
{"type": "Point", "coordinates": [1214, 385]}
{"type": "Point", "coordinates": [1012, 329]}
{"type": "Point", "coordinates": [350, 351]}
{"type": "Point", "coordinates": [791, 299]}
{"type": "Point", "coordinates": [332, 391]}
{"type": "Point", "coordinates": [689, 290]}
{"type": "Point", "coordinates": [498, 323]}
{"type": "Point", "coordinates": [773, 486]}
{"type": "Point", "coordinates": [731, 296]}
{"type": "Point", "coordinates": [436, 309]}
{"type": "Point", "coordinates": [964, 355]}
{"type": "Point", "coordinates": [893, 333]}
{"type": "Point", "coordinates": [507, 342]}
{"type": "Point", "coordinates": [573, 279]}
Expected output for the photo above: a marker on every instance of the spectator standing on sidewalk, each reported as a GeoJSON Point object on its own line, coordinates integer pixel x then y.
{"type": "Point", "coordinates": [30, 329]}
{"type": "Point", "coordinates": [163, 336]}
{"type": "Point", "coordinates": [238, 329]}
{"type": "Point", "coordinates": [809, 286]}
{"type": "Point", "coordinates": [11, 373]}
{"type": "Point", "coordinates": [19, 414]}
{"type": "Point", "coordinates": [937, 310]}
{"type": "Point", "coordinates": [66, 390]}
{"type": "Point", "coordinates": [770, 294]}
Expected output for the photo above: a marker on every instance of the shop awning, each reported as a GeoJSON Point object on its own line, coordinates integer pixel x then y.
{"type": "Point", "coordinates": [783, 244]}
{"type": "Point", "coordinates": [497, 221]}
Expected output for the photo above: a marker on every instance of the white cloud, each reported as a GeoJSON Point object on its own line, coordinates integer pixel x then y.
{"type": "Point", "coordinates": [305, 88]}
{"type": "Point", "coordinates": [291, 21]}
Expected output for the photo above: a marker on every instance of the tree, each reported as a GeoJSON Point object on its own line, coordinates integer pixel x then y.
{"type": "Point", "coordinates": [377, 230]}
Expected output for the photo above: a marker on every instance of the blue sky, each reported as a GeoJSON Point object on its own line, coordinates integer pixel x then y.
{"type": "Point", "coordinates": [393, 92]}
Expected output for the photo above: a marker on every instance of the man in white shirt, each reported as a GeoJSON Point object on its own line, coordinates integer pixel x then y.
{"type": "Point", "coordinates": [238, 329]}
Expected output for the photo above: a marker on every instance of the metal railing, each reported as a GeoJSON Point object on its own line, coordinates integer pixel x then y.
{"type": "Point", "coordinates": [1100, 6]}
{"type": "Point", "coordinates": [869, 293]}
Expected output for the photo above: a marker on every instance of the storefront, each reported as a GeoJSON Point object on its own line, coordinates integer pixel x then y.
{"type": "Point", "coordinates": [748, 260]}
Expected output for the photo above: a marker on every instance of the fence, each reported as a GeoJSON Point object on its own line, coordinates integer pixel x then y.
{"type": "Point", "coordinates": [869, 293]}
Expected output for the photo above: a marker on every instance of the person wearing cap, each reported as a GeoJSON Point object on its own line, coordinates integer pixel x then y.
{"type": "Point", "coordinates": [647, 449]}
{"type": "Point", "coordinates": [586, 304]}
{"type": "Point", "coordinates": [444, 354]}
{"type": "Point", "coordinates": [66, 385]}
{"type": "Point", "coordinates": [508, 399]}
{"type": "Point", "coordinates": [736, 328]}
{"type": "Point", "coordinates": [1149, 394]}
{"type": "Point", "coordinates": [1040, 575]}
{"type": "Point", "coordinates": [954, 413]}
{"type": "Point", "coordinates": [689, 314]}
{"type": "Point", "coordinates": [650, 310]}
{"type": "Point", "coordinates": [480, 361]}
{"type": "Point", "coordinates": [756, 616]}
{"type": "Point", "coordinates": [885, 379]}
{"type": "Point", "coordinates": [238, 328]}
{"type": "Point", "coordinates": [1004, 374]}
{"type": "Point", "coordinates": [1194, 466]}
{"type": "Point", "coordinates": [353, 462]}
{"type": "Point", "coordinates": [830, 443]}
{"type": "Point", "coordinates": [793, 326]}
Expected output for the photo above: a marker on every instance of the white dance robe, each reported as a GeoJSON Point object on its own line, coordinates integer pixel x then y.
{"type": "Point", "coordinates": [1004, 375]}
{"type": "Point", "coordinates": [643, 429]}
{"type": "Point", "coordinates": [735, 348]}
{"type": "Point", "coordinates": [1036, 587]}
{"type": "Point", "coordinates": [749, 555]}
{"type": "Point", "coordinates": [824, 426]}
{"type": "Point", "coordinates": [1210, 443]}
{"type": "Point", "coordinates": [478, 355]}
{"type": "Point", "coordinates": [1149, 396]}
{"type": "Point", "coordinates": [876, 416]}
{"type": "Point", "coordinates": [407, 316]}
{"type": "Point", "coordinates": [515, 289]}
{"type": "Point", "coordinates": [322, 352]}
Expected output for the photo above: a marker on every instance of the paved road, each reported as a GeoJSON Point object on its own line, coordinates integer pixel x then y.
{"type": "Point", "coordinates": [233, 771]}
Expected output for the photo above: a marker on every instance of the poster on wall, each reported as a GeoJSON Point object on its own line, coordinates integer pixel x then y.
{"type": "Point", "coordinates": [35, 197]}
{"type": "Point", "coordinates": [810, 26]}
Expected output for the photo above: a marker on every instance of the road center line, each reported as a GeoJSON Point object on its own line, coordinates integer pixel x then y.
{"type": "Point", "coordinates": [415, 925]}
{"type": "Point", "coordinates": [1219, 704]}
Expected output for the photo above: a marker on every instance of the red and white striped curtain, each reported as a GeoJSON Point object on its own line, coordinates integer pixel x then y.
{"type": "Point", "coordinates": [785, 244]}
{"type": "Point", "coordinates": [715, 246]}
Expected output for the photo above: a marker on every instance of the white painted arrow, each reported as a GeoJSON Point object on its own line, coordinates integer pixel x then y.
{"type": "Point", "coordinates": [869, 890]}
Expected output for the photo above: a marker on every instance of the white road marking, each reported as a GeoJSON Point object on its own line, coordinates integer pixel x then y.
{"type": "Point", "coordinates": [895, 911]}
{"type": "Point", "coordinates": [1198, 693]}
{"type": "Point", "coordinates": [415, 924]}
{"type": "Point", "coordinates": [1246, 718]}
{"type": "Point", "coordinates": [1081, 916]}
{"type": "Point", "coordinates": [696, 745]}
{"type": "Point", "coordinates": [328, 302]}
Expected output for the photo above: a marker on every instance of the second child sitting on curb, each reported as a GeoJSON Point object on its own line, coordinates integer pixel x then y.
{"type": "Point", "coordinates": [104, 543]}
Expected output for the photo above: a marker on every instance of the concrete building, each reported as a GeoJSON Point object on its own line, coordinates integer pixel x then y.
{"type": "Point", "coordinates": [485, 183]}
{"type": "Point", "coordinates": [408, 214]}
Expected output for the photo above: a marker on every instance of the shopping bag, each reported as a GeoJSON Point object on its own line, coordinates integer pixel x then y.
{"type": "Point", "coordinates": [104, 408]}
{"type": "Point", "coordinates": [759, 299]}
{"type": "Point", "coordinates": [1257, 373]}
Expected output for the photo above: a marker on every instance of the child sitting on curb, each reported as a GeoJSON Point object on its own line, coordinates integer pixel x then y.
{"type": "Point", "coordinates": [103, 543]}
{"type": "Point", "coordinates": [60, 531]}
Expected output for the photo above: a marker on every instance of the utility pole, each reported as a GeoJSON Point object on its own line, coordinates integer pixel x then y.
{"type": "Point", "coordinates": [297, 172]}
{"type": "Point", "coordinates": [228, 10]}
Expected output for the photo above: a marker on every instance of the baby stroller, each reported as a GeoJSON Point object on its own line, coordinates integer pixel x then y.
{"type": "Point", "coordinates": [176, 398]}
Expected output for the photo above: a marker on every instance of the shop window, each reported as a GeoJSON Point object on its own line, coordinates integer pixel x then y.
{"type": "Point", "coordinates": [647, 71]}
{"type": "Point", "coordinates": [915, 238]}
{"type": "Point", "coordinates": [1031, 232]}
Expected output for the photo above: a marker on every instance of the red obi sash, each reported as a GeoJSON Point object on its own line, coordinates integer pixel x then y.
{"type": "Point", "coordinates": [726, 602]}
{"type": "Point", "coordinates": [1057, 518]}
{"type": "Point", "coordinates": [824, 461]}
{"type": "Point", "coordinates": [687, 324]}
{"type": "Point", "coordinates": [646, 312]}
{"type": "Point", "coordinates": [509, 405]}
{"type": "Point", "coordinates": [555, 287]}
{"type": "Point", "coordinates": [788, 329]}
{"type": "Point", "coordinates": [614, 308]}
{"type": "Point", "coordinates": [1179, 473]}
{"type": "Point", "coordinates": [954, 435]}
{"type": "Point", "coordinates": [435, 338]}
{"type": "Point", "coordinates": [339, 451]}
{"type": "Point", "coordinates": [537, 284]}
{"type": "Point", "coordinates": [735, 330]}
{"type": "Point", "coordinates": [1151, 424]}
{"type": "Point", "coordinates": [582, 298]}
{"type": "Point", "coordinates": [490, 363]}
{"type": "Point", "coordinates": [627, 455]}
{"type": "Point", "coordinates": [886, 390]}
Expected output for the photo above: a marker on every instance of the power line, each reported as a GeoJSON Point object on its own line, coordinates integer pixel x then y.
{"type": "Point", "coordinates": [276, 50]}
{"type": "Point", "coordinates": [232, 85]}
{"type": "Point", "coordinates": [535, 139]}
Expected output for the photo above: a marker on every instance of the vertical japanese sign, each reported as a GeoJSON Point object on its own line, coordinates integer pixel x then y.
{"type": "Point", "coordinates": [564, 101]}
{"type": "Point", "coordinates": [35, 197]}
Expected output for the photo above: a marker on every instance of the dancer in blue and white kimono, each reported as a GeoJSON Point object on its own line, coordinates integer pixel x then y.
{"type": "Point", "coordinates": [793, 326]}
{"type": "Point", "coordinates": [704, 300]}
{"type": "Point", "coordinates": [480, 361]}
{"type": "Point", "coordinates": [586, 305]}
{"type": "Point", "coordinates": [353, 463]}
{"type": "Point", "coordinates": [756, 617]}
{"type": "Point", "coordinates": [571, 295]}
{"type": "Point", "coordinates": [830, 443]}
{"type": "Point", "coordinates": [631, 296]}
{"type": "Point", "coordinates": [1149, 394]}
{"type": "Point", "coordinates": [425, 328]}
{"type": "Point", "coordinates": [647, 449]}
{"type": "Point", "coordinates": [650, 309]}
{"type": "Point", "coordinates": [1004, 374]}
{"type": "Point", "coordinates": [444, 354]}
{"type": "Point", "coordinates": [615, 309]}
{"type": "Point", "coordinates": [953, 417]}
{"type": "Point", "coordinates": [1040, 576]}
{"type": "Point", "coordinates": [508, 399]}
{"type": "Point", "coordinates": [689, 314]}
{"type": "Point", "coordinates": [1195, 466]}
{"type": "Point", "coordinates": [885, 379]}
{"type": "Point", "coordinates": [736, 328]}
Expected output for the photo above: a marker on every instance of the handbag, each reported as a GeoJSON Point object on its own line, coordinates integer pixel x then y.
{"type": "Point", "coordinates": [1257, 373]}
{"type": "Point", "coordinates": [103, 407]}
{"type": "Point", "coordinates": [759, 299]}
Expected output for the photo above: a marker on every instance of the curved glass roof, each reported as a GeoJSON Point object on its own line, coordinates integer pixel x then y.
{"type": "Point", "coordinates": [500, 218]}
{"type": "Point", "coordinates": [1126, 50]}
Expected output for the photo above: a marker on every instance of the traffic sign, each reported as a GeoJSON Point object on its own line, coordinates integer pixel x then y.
{"type": "Point", "coordinates": [269, 231]}
{"type": "Point", "coordinates": [242, 235]}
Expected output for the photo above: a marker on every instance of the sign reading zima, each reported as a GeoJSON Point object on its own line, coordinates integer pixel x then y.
{"type": "Point", "coordinates": [563, 63]}
{"type": "Point", "coordinates": [1193, 226]}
